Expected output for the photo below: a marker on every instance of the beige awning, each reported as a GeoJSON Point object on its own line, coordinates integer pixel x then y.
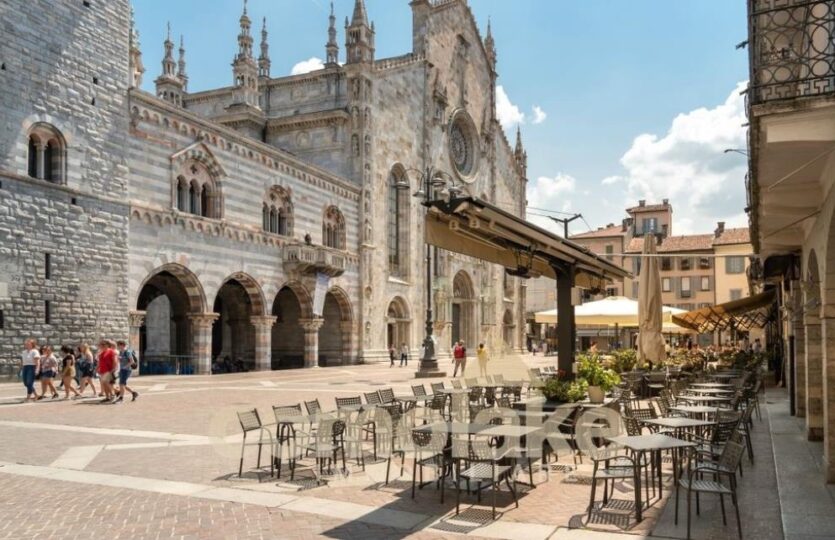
{"type": "Point", "coordinates": [741, 314]}
{"type": "Point", "coordinates": [473, 227]}
{"type": "Point", "coordinates": [608, 311]}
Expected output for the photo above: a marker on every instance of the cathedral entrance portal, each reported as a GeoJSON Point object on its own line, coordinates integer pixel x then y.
{"type": "Point", "coordinates": [233, 333]}
{"type": "Point", "coordinates": [398, 324]}
{"type": "Point", "coordinates": [463, 310]}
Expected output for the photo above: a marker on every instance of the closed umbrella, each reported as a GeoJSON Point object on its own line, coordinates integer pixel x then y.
{"type": "Point", "coordinates": [650, 317]}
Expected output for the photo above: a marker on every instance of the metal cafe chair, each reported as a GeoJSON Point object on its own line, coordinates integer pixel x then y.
{"type": "Point", "coordinates": [251, 422]}
{"type": "Point", "coordinates": [352, 405]}
{"type": "Point", "coordinates": [482, 466]}
{"type": "Point", "coordinates": [373, 398]}
{"type": "Point", "coordinates": [288, 436]}
{"type": "Point", "coordinates": [456, 383]}
{"type": "Point", "coordinates": [725, 468]}
{"type": "Point", "coordinates": [428, 453]}
{"type": "Point", "coordinates": [418, 390]}
{"type": "Point", "coordinates": [391, 436]}
{"type": "Point", "coordinates": [387, 395]}
{"type": "Point", "coordinates": [437, 387]}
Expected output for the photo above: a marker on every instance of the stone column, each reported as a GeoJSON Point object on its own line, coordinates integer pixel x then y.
{"type": "Point", "coordinates": [311, 341]}
{"type": "Point", "coordinates": [814, 376]}
{"type": "Point", "coordinates": [800, 367]}
{"type": "Point", "coordinates": [827, 432]}
{"type": "Point", "coordinates": [135, 320]}
{"type": "Point", "coordinates": [348, 352]}
{"type": "Point", "coordinates": [40, 160]}
{"type": "Point", "coordinates": [263, 342]}
{"type": "Point", "coordinates": [201, 341]}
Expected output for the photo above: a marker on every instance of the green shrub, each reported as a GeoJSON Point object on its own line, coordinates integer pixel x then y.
{"type": "Point", "coordinates": [565, 391]}
{"type": "Point", "coordinates": [592, 371]}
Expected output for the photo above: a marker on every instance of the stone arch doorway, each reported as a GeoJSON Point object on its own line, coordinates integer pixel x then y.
{"type": "Point", "coordinates": [398, 323]}
{"type": "Point", "coordinates": [463, 309]}
{"type": "Point", "coordinates": [239, 303]}
{"type": "Point", "coordinates": [335, 333]}
{"type": "Point", "coordinates": [290, 307]}
{"type": "Point", "coordinates": [508, 330]}
{"type": "Point", "coordinates": [812, 374]}
{"type": "Point", "coordinates": [171, 301]}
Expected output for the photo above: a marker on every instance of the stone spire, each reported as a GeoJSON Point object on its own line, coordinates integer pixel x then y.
{"type": "Point", "coordinates": [490, 46]}
{"type": "Point", "coordinates": [520, 154]}
{"type": "Point", "coordinates": [168, 64]}
{"type": "Point", "coordinates": [244, 67]}
{"type": "Point", "coordinates": [169, 84]}
{"type": "Point", "coordinates": [181, 65]}
{"type": "Point", "coordinates": [135, 55]}
{"type": "Point", "coordinates": [264, 59]}
{"type": "Point", "coordinates": [359, 36]}
{"type": "Point", "coordinates": [332, 48]}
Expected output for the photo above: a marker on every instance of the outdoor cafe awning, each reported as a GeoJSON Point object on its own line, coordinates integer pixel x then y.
{"type": "Point", "coordinates": [741, 314]}
{"type": "Point", "coordinates": [473, 227]}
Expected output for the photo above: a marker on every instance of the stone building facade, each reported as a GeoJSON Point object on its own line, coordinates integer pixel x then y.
{"type": "Point", "coordinates": [271, 221]}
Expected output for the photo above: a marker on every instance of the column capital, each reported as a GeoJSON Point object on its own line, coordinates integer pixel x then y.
{"type": "Point", "coordinates": [311, 325]}
{"type": "Point", "coordinates": [263, 321]}
{"type": "Point", "coordinates": [136, 318]}
{"type": "Point", "coordinates": [203, 319]}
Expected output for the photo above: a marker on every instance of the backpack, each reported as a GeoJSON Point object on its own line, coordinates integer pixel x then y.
{"type": "Point", "coordinates": [134, 362]}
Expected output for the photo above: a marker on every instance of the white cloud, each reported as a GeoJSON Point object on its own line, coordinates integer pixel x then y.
{"type": "Point", "coordinates": [611, 180]}
{"type": "Point", "coordinates": [688, 166]}
{"type": "Point", "coordinates": [551, 193]}
{"type": "Point", "coordinates": [539, 115]}
{"type": "Point", "coordinates": [508, 114]}
{"type": "Point", "coordinates": [306, 66]}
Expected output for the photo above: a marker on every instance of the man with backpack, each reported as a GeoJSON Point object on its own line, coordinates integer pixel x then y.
{"type": "Point", "coordinates": [127, 363]}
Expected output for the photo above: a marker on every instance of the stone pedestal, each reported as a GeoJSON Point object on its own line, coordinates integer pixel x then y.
{"type": "Point", "coordinates": [311, 341]}
{"type": "Point", "coordinates": [800, 369]}
{"type": "Point", "coordinates": [135, 320]}
{"type": "Point", "coordinates": [201, 341]}
{"type": "Point", "coordinates": [814, 380]}
{"type": "Point", "coordinates": [263, 342]}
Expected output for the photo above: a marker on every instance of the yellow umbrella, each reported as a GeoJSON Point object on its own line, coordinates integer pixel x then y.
{"type": "Point", "coordinates": [650, 315]}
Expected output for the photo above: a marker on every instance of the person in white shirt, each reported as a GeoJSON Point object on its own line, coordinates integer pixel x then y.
{"type": "Point", "coordinates": [404, 355]}
{"type": "Point", "coordinates": [30, 360]}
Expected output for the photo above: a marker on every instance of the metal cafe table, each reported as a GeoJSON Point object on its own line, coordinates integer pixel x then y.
{"type": "Point", "coordinates": [706, 399]}
{"type": "Point", "coordinates": [679, 425]}
{"type": "Point", "coordinates": [655, 443]}
{"type": "Point", "coordinates": [710, 391]}
{"type": "Point", "coordinates": [713, 385]}
{"type": "Point", "coordinates": [695, 410]}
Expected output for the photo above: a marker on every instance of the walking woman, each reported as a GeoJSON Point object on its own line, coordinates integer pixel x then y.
{"type": "Point", "coordinates": [68, 372]}
{"type": "Point", "coordinates": [49, 367]}
{"type": "Point", "coordinates": [29, 363]}
{"type": "Point", "coordinates": [86, 369]}
{"type": "Point", "coordinates": [483, 356]}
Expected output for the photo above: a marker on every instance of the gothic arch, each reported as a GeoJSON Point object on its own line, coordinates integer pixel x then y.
{"type": "Point", "coordinates": [253, 291]}
{"type": "Point", "coordinates": [333, 228]}
{"type": "Point", "coordinates": [191, 284]}
{"type": "Point", "coordinates": [398, 322]}
{"type": "Point", "coordinates": [302, 295]}
{"type": "Point", "coordinates": [344, 302]}
{"type": "Point", "coordinates": [277, 211]}
{"type": "Point", "coordinates": [398, 226]}
{"type": "Point", "coordinates": [47, 153]}
{"type": "Point", "coordinates": [463, 309]}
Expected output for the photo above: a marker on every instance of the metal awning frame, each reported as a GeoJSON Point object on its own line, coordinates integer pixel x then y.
{"type": "Point", "coordinates": [744, 314]}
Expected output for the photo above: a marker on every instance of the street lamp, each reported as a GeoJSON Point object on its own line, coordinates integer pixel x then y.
{"type": "Point", "coordinates": [430, 181]}
{"type": "Point", "coordinates": [736, 151]}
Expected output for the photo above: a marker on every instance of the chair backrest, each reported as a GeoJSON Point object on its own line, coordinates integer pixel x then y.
{"type": "Point", "coordinates": [723, 430]}
{"type": "Point", "coordinates": [498, 378]}
{"type": "Point", "coordinates": [663, 408]}
{"type": "Point", "coordinates": [489, 395]}
{"type": "Point", "coordinates": [535, 373]}
{"type": "Point", "coordinates": [503, 401]}
{"type": "Point", "coordinates": [491, 380]}
{"type": "Point", "coordinates": [438, 402]}
{"type": "Point", "coordinates": [280, 411]}
{"type": "Point", "coordinates": [470, 382]}
{"type": "Point", "coordinates": [250, 420]}
{"type": "Point", "coordinates": [475, 393]}
{"type": "Point", "coordinates": [313, 407]}
{"type": "Point", "coordinates": [731, 455]}
{"type": "Point", "coordinates": [456, 383]}
{"type": "Point", "coordinates": [419, 390]}
{"type": "Point", "coordinates": [633, 427]}
{"type": "Point", "coordinates": [350, 401]}
{"type": "Point", "coordinates": [387, 395]}
{"type": "Point", "coordinates": [474, 410]}
{"type": "Point", "coordinates": [373, 398]}
{"type": "Point", "coordinates": [427, 441]}
{"type": "Point", "coordinates": [641, 413]}
{"type": "Point", "coordinates": [437, 387]}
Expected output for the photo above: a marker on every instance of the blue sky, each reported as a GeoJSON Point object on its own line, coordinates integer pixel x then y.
{"type": "Point", "coordinates": [639, 97]}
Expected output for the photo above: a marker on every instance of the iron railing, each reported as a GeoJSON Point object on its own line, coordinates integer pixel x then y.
{"type": "Point", "coordinates": [791, 48]}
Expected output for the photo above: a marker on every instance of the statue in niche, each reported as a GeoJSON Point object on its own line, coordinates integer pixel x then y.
{"type": "Point", "coordinates": [355, 145]}
{"type": "Point", "coordinates": [368, 334]}
{"type": "Point", "coordinates": [355, 117]}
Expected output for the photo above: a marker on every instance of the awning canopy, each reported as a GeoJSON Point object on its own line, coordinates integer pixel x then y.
{"type": "Point", "coordinates": [473, 227]}
{"type": "Point", "coordinates": [741, 314]}
{"type": "Point", "coordinates": [608, 311]}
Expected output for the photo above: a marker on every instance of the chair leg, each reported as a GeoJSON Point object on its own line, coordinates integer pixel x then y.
{"type": "Point", "coordinates": [698, 507]}
{"type": "Point", "coordinates": [494, 499]}
{"type": "Point", "coordinates": [258, 463]}
{"type": "Point", "coordinates": [388, 468]}
{"type": "Point", "coordinates": [593, 489]}
{"type": "Point", "coordinates": [722, 504]}
{"type": "Point", "coordinates": [457, 489]}
{"type": "Point", "coordinates": [414, 475]}
{"type": "Point", "coordinates": [241, 466]}
{"type": "Point", "coordinates": [689, 492]}
{"type": "Point", "coordinates": [736, 510]}
{"type": "Point", "coordinates": [675, 519]}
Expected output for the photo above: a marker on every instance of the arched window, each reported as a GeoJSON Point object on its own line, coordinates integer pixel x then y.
{"type": "Point", "coordinates": [333, 228]}
{"type": "Point", "coordinates": [265, 217]}
{"type": "Point", "coordinates": [398, 222]}
{"type": "Point", "coordinates": [46, 154]}
{"type": "Point", "coordinates": [197, 192]}
{"type": "Point", "coordinates": [279, 211]}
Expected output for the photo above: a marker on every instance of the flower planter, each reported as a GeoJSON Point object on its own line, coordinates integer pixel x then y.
{"type": "Point", "coordinates": [596, 394]}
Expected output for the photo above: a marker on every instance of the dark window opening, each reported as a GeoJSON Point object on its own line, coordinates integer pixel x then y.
{"type": "Point", "coordinates": [2, 320]}
{"type": "Point", "coordinates": [93, 101]}
{"type": "Point", "coordinates": [47, 268]}
{"type": "Point", "coordinates": [3, 66]}
{"type": "Point", "coordinates": [73, 200]}
{"type": "Point", "coordinates": [86, 3]}
{"type": "Point", "coordinates": [47, 312]}
{"type": "Point", "coordinates": [95, 80]}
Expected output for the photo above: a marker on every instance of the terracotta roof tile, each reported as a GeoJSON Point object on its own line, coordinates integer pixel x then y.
{"type": "Point", "coordinates": [603, 232]}
{"type": "Point", "coordinates": [733, 236]}
{"type": "Point", "coordinates": [648, 208]}
{"type": "Point", "coordinates": [690, 242]}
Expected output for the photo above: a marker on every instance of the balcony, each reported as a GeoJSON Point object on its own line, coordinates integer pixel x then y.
{"type": "Point", "coordinates": [310, 259]}
{"type": "Point", "coordinates": [792, 53]}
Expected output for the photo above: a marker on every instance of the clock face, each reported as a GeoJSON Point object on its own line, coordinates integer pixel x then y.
{"type": "Point", "coordinates": [462, 145]}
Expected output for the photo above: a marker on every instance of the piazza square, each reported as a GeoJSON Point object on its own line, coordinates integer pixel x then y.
{"type": "Point", "coordinates": [417, 269]}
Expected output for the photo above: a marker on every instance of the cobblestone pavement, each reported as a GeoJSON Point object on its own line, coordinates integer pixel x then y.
{"type": "Point", "coordinates": [165, 466]}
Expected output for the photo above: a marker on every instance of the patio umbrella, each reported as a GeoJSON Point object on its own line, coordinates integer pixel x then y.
{"type": "Point", "coordinates": [650, 317]}
{"type": "Point", "coordinates": [614, 310]}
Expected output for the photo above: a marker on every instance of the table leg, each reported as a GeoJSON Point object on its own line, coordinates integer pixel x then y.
{"type": "Point", "coordinates": [637, 470]}
{"type": "Point", "coordinates": [660, 465]}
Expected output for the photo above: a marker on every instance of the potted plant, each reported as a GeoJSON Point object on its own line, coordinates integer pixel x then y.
{"type": "Point", "coordinates": [562, 391]}
{"type": "Point", "coordinates": [599, 379]}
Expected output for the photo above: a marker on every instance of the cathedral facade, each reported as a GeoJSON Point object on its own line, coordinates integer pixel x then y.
{"type": "Point", "coordinates": [272, 221]}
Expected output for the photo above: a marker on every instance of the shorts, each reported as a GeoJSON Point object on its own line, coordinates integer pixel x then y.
{"type": "Point", "coordinates": [123, 376]}
{"type": "Point", "coordinates": [106, 377]}
{"type": "Point", "coordinates": [47, 374]}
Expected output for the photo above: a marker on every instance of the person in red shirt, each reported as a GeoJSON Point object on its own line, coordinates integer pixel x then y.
{"type": "Point", "coordinates": [459, 356]}
{"type": "Point", "coordinates": [106, 368]}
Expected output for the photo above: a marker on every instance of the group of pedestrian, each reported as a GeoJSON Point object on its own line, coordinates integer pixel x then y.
{"type": "Point", "coordinates": [403, 353]}
{"type": "Point", "coordinates": [114, 361]}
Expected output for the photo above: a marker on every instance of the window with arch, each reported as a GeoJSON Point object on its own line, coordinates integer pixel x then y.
{"type": "Point", "coordinates": [398, 223]}
{"type": "Point", "coordinates": [47, 155]}
{"type": "Point", "coordinates": [277, 212]}
{"type": "Point", "coordinates": [333, 228]}
{"type": "Point", "coordinates": [197, 192]}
